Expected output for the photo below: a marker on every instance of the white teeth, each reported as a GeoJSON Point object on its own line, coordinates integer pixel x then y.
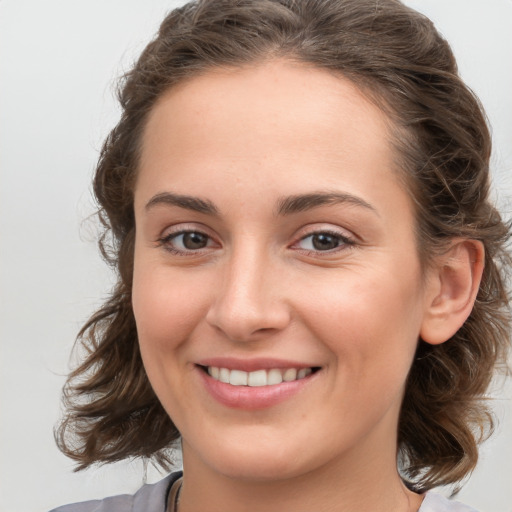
{"type": "Point", "coordinates": [274, 377]}
{"type": "Point", "coordinates": [290, 374]}
{"type": "Point", "coordinates": [224, 375]}
{"type": "Point", "coordinates": [259, 377]}
{"type": "Point", "coordinates": [303, 372]}
{"type": "Point", "coordinates": [238, 378]}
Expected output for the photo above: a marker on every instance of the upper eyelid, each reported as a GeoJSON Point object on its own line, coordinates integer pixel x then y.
{"type": "Point", "coordinates": [165, 242]}
{"type": "Point", "coordinates": [301, 234]}
{"type": "Point", "coordinates": [166, 236]}
{"type": "Point", "coordinates": [185, 227]}
{"type": "Point", "coordinates": [324, 228]}
{"type": "Point", "coordinates": [347, 240]}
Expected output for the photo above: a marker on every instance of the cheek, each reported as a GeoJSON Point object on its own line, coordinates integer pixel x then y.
{"type": "Point", "coordinates": [166, 308]}
{"type": "Point", "coordinates": [370, 321]}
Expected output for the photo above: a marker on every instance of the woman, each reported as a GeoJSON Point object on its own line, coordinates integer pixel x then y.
{"type": "Point", "coordinates": [311, 277]}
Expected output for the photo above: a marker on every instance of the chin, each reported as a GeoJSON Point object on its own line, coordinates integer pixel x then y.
{"type": "Point", "coordinates": [259, 469]}
{"type": "Point", "coordinates": [256, 459]}
{"type": "Point", "coordinates": [250, 460]}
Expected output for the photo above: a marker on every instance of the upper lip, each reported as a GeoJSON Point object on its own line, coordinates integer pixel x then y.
{"type": "Point", "coordinates": [250, 365]}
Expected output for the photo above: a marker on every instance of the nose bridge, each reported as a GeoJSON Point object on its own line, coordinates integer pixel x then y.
{"type": "Point", "coordinates": [249, 300]}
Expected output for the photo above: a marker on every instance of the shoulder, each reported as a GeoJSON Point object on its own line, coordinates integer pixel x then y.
{"type": "Point", "coordinates": [434, 502]}
{"type": "Point", "coordinates": [149, 498]}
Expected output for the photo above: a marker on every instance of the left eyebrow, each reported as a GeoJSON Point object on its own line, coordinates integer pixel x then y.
{"type": "Point", "coordinates": [304, 202]}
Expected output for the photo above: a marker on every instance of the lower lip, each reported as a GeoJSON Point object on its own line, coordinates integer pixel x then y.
{"type": "Point", "coordinates": [251, 398]}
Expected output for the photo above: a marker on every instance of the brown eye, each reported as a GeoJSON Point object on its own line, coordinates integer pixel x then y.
{"type": "Point", "coordinates": [186, 242]}
{"type": "Point", "coordinates": [194, 240]}
{"type": "Point", "coordinates": [324, 242]}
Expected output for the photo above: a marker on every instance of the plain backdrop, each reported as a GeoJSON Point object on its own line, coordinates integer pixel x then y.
{"type": "Point", "coordinates": [59, 62]}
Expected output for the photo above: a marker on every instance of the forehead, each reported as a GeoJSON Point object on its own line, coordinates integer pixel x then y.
{"type": "Point", "coordinates": [277, 126]}
{"type": "Point", "coordinates": [271, 103]}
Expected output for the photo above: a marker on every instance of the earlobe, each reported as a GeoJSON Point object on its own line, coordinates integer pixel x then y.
{"type": "Point", "coordinates": [452, 289]}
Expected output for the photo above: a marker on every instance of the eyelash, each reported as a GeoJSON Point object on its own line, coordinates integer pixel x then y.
{"type": "Point", "coordinates": [344, 242]}
{"type": "Point", "coordinates": [166, 242]}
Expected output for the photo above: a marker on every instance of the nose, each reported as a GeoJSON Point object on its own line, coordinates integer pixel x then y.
{"type": "Point", "coordinates": [251, 300]}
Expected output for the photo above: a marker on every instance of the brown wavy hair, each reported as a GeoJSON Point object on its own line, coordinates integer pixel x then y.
{"type": "Point", "coordinates": [394, 55]}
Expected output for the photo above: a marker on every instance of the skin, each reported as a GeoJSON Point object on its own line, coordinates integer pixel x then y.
{"type": "Point", "coordinates": [243, 139]}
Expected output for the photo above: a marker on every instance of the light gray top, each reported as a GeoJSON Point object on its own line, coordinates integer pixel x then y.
{"type": "Point", "coordinates": [153, 498]}
{"type": "Point", "coordinates": [149, 498]}
{"type": "Point", "coordinates": [434, 502]}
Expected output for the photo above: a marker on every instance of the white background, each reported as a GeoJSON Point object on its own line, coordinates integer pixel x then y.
{"type": "Point", "coordinates": [59, 61]}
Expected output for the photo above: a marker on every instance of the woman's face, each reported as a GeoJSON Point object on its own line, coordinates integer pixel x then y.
{"type": "Point", "coordinates": [274, 241]}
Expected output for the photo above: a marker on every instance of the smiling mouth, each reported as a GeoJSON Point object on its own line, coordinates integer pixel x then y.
{"type": "Point", "coordinates": [258, 378]}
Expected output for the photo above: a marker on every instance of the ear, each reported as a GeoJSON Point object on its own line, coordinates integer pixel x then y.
{"type": "Point", "coordinates": [452, 286]}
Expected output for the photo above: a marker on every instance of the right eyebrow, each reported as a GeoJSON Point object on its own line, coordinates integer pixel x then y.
{"type": "Point", "coordinates": [187, 202]}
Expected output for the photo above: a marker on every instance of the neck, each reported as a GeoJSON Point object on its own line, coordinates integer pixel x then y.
{"type": "Point", "coordinates": [347, 486]}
